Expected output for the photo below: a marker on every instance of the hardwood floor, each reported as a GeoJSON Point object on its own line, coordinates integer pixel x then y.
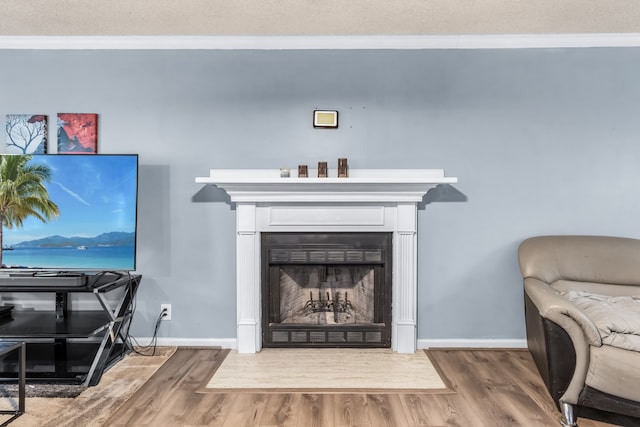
{"type": "Point", "coordinates": [492, 388]}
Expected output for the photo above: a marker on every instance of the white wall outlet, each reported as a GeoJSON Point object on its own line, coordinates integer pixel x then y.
{"type": "Point", "coordinates": [167, 313]}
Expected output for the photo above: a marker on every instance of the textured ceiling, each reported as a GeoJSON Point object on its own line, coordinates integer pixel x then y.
{"type": "Point", "coordinates": [315, 17]}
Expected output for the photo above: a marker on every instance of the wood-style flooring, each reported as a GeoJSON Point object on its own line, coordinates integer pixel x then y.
{"type": "Point", "coordinates": [492, 388]}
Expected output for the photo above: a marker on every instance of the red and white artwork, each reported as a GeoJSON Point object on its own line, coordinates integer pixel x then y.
{"type": "Point", "coordinates": [77, 133]}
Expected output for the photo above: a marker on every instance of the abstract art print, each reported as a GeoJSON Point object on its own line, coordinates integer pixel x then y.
{"type": "Point", "coordinates": [77, 133]}
{"type": "Point", "coordinates": [26, 134]}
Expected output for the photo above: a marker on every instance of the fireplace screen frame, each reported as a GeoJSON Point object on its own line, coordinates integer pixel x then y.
{"type": "Point", "coordinates": [341, 249]}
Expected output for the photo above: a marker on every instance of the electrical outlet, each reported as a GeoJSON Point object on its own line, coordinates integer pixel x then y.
{"type": "Point", "coordinates": [166, 308]}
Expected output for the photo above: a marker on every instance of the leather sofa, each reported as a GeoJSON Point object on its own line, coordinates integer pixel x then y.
{"type": "Point", "coordinates": [572, 288]}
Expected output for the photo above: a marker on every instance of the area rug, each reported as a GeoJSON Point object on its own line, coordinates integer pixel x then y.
{"type": "Point", "coordinates": [53, 391]}
{"type": "Point", "coordinates": [95, 405]}
{"type": "Point", "coordinates": [327, 371]}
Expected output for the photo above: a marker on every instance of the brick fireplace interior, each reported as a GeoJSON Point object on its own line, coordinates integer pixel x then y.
{"type": "Point", "coordinates": [326, 289]}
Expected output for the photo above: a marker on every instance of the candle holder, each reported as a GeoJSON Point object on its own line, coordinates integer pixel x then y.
{"type": "Point", "coordinates": [303, 171]}
{"type": "Point", "coordinates": [343, 168]}
{"type": "Point", "coordinates": [285, 172]}
{"type": "Point", "coordinates": [322, 169]}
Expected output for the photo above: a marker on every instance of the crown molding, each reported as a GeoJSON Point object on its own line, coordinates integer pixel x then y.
{"type": "Point", "coordinates": [357, 42]}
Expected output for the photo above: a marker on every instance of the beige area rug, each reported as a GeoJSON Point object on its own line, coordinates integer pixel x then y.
{"type": "Point", "coordinates": [327, 370]}
{"type": "Point", "coordinates": [94, 406]}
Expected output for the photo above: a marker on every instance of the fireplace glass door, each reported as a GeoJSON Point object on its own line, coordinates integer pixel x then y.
{"type": "Point", "coordinates": [326, 289]}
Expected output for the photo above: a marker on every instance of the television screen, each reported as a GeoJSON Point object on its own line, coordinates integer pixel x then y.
{"type": "Point", "coordinates": [68, 211]}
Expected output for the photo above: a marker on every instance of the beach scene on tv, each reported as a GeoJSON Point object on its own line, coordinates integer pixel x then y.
{"type": "Point", "coordinates": [68, 212]}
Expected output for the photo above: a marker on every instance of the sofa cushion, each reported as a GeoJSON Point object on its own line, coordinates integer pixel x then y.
{"type": "Point", "coordinates": [615, 371]}
{"type": "Point", "coordinates": [617, 318]}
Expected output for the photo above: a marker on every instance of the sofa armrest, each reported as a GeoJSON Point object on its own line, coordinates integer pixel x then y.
{"type": "Point", "coordinates": [582, 332]}
{"type": "Point", "coordinates": [553, 306]}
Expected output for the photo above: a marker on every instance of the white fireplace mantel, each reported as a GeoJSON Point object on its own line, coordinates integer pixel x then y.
{"type": "Point", "coordinates": [369, 200]}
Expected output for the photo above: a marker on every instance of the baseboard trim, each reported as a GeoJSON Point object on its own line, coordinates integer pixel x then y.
{"type": "Point", "coordinates": [472, 343]}
{"type": "Point", "coordinates": [190, 342]}
{"type": "Point", "coordinates": [422, 343]}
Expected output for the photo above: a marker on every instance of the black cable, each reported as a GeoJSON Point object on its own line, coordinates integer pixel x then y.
{"type": "Point", "coordinates": [129, 339]}
{"type": "Point", "coordinates": [154, 340]}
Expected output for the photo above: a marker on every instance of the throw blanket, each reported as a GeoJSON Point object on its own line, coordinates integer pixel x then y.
{"type": "Point", "coordinates": [617, 318]}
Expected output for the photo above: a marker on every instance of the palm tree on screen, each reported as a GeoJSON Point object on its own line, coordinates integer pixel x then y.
{"type": "Point", "coordinates": [23, 194]}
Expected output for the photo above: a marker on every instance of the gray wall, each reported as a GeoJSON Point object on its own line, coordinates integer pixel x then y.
{"type": "Point", "coordinates": [543, 141]}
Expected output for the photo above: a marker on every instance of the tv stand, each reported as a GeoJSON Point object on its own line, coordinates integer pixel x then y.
{"type": "Point", "coordinates": [67, 345]}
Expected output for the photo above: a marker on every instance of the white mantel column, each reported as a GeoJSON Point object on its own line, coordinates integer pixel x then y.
{"type": "Point", "coordinates": [405, 286]}
{"type": "Point", "coordinates": [248, 314]}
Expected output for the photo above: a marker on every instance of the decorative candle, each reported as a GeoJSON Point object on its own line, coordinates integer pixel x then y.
{"type": "Point", "coordinates": [303, 171]}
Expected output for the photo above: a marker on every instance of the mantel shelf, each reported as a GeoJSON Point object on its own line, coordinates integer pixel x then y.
{"type": "Point", "coordinates": [362, 185]}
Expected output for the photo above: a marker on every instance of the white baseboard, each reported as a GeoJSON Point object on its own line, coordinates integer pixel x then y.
{"type": "Point", "coordinates": [190, 342]}
{"type": "Point", "coordinates": [422, 343]}
{"type": "Point", "coordinates": [472, 343]}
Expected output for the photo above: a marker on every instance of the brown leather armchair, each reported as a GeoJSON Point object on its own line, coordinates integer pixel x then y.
{"type": "Point", "coordinates": [572, 285]}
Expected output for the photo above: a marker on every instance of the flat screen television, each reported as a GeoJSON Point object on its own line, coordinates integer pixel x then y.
{"type": "Point", "coordinates": [68, 212]}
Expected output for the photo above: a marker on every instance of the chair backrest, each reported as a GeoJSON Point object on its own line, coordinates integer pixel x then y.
{"type": "Point", "coordinates": [598, 259]}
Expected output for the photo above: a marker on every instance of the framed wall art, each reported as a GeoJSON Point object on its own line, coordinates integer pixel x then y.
{"type": "Point", "coordinates": [26, 134]}
{"type": "Point", "coordinates": [77, 133]}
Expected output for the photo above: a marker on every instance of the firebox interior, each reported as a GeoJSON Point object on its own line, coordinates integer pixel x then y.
{"type": "Point", "coordinates": [326, 289]}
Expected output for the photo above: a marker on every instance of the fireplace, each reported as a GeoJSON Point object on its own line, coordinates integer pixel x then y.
{"type": "Point", "coordinates": [368, 201]}
{"type": "Point", "coordinates": [326, 289]}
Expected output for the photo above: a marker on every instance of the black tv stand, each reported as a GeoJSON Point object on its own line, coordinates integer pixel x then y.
{"type": "Point", "coordinates": [67, 345]}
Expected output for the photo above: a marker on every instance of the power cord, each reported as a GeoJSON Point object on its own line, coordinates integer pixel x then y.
{"type": "Point", "coordinates": [153, 344]}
